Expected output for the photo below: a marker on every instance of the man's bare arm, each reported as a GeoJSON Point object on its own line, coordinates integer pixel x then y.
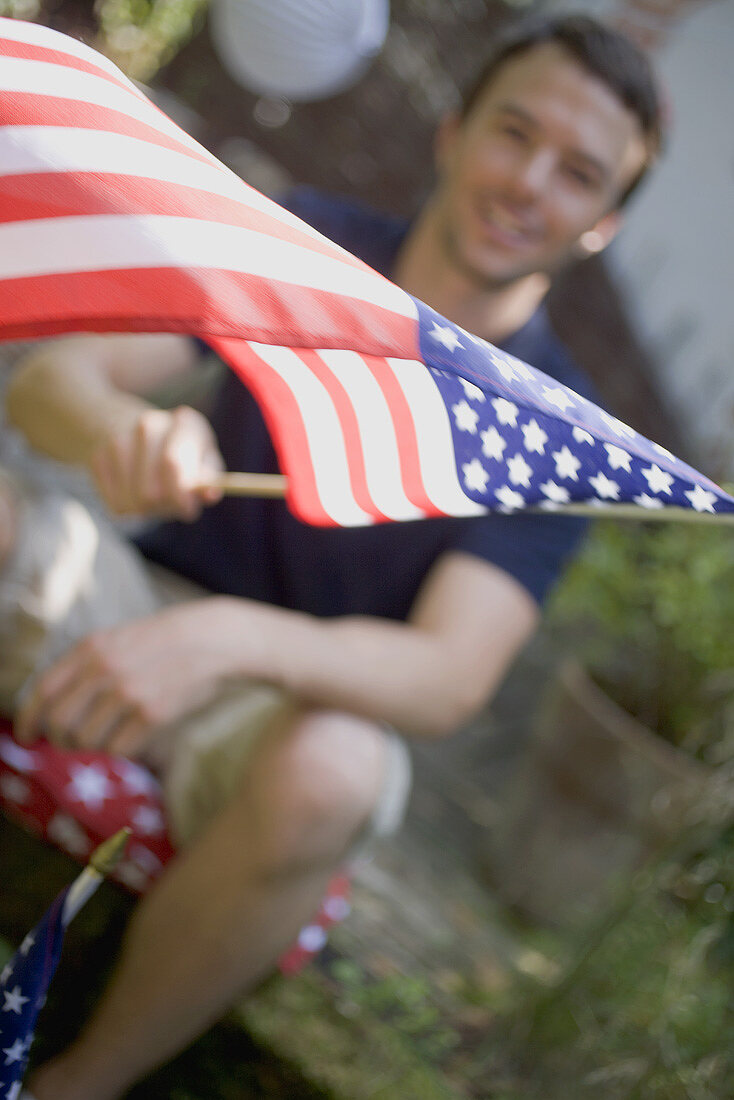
{"type": "Point", "coordinates": [81, 400]}
{"type": "Point", "coordinates": [67, 395]}
{"type": "Point", "coordinates": [426, 676]}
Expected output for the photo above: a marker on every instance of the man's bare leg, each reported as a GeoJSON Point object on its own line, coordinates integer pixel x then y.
{"type": "Point", "coordinates": [219, 919]}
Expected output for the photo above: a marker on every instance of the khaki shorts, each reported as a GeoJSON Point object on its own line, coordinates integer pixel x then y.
{"type": "Point", "coordinates": [71, 573]}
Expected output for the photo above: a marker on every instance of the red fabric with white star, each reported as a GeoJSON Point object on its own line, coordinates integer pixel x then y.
{"type": "Point", "coordinates": [75, 800]}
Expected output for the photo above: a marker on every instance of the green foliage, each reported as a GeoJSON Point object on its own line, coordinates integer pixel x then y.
{"type": "Point", "coordinates": [20, 9]}
{"type": "Point", "coordinates": [649, 1016]}
{"type": "Point", "coordinates": [138, 35]}
{"type": "Point", "coordinates": [143, 35]}
{"type": "Point", "coordinates": [646, 1012]}
{"type": "Point", "coordinates": [406, 1003]}
{"type": "Point", "coordinates": [651, 609]}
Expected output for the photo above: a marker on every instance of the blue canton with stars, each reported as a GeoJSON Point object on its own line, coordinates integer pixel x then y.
{"type": "Point", "coordinates": [23, 985]}
{"type": "Point", "coordinates": [522, 439]}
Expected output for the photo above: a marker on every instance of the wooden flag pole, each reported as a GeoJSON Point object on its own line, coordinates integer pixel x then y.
{"type": "Point", "coordinates": [275, 485]}
{"type": "Point", "coordinates": [249, 485]}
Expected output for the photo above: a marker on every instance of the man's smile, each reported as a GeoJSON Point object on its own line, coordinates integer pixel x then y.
{"type": "Point", "coordinates": [503, 226]}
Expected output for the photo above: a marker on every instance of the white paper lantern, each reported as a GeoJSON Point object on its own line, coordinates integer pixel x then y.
{"type": "Point", "coordinates": [298, 49]}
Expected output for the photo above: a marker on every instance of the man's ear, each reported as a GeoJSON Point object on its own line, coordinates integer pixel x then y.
{"type": "Point", "coordinates": [444, 141]}
{"type": "Point", "coordinates": [603, 233]}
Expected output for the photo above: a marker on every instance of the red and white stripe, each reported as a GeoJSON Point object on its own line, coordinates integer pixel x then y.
{"type": "Point", "coordinates": [111, 218]}
{"type": "Point", "coordinates": [363, 438]}
{"type": "Point", "coordinates": [114, 219]}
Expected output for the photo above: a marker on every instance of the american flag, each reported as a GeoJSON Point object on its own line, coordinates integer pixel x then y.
{"type": "Point", "coordinates": [113, 219]}
{"type": "Point", "coordinates": [75, 799]}
{"type": "Point", "coordinates": [23, 985]}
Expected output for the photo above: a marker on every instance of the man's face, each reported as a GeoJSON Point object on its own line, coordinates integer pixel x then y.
{"type": "Point", "coordinates": [542, 158]}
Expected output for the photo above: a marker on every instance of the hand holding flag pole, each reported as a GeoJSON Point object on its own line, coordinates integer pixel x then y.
{"type": "Point", "coordinates": [26, 978]}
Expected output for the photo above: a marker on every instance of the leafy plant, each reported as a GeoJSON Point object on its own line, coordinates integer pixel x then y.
{"type": "Point", "coordinates": [143, 35]}
{"type": "Point", "coordinates": [650, 608]}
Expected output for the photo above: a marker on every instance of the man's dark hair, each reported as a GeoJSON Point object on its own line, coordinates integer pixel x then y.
{"type": "Point", "coordinates": [605, 53]}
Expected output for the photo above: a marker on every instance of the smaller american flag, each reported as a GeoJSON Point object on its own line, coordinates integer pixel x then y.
{"type": "Point", "coordinates": [23, 985]}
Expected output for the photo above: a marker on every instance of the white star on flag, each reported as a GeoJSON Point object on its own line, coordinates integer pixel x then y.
{"type": "Point", "coordinates": [145, 859]}
{"type": "Point", "coordinates": [14, 1001]}
{"type": "Point", "coordinates": [90, 785]}
{"type": "Point", "coordinates": [136, 780]}
{"type": "Point", "coordinates": [14, 1091]}
{"type": "Point", "coordinates": [604, 487]}
{"type": "Point", "coordinates": [558, 397]}
{"type": "Point", "coordinates": [132, 876]}
{"type": "Point", "coordinates": [509, 499]}
{"type": "Point", "coordinates": [445, 335]}
{"type": "Point", "coordinates": [473, 392]}
{"type": "Point", "coordinates": [465, 416]}
{"type": "Point", "coordinates": [148, 820]}
{"type": "Point", "coordinates": [15, 1053]}
{"type": "Point", "coordinates": [27, 943]}
{"type": "Point", "coordinates": [22, 760]}
{"type": "Point", "coordinates": [522, 370]}
{"type": "Point", "coordinates": [475, 476]}
{"type": "Point", "coordinates": [312, 937]}
{"type": "Point", "coordinates": [14, 789]}
{"type": "Point", "coordinates": [336, 908]}
{"type": "Point", "coordinates": [518, 471]}
{"type": "Point", "coordinates": [582, 436]}
{"type": "Point", "coordinates": [506, 411]}
{"type": "Point", "coordinates": [6, 972]}
{"type": "Point", "coordinates": [658, 480]}
{"type": "Point", "coordinates": [567, 465]}
{"type": "Point", "coordinates": [493, 444]}
{"type": "Point", "coordinates": [701, 499]}
{"type": "Point", "coordinates": [67, 832]}
{"type": "Point", "coordinates": [556, 493]}
{"type": "Point", "coordinates": [646, 501]}
{"type": "Point", "coordinates": [617, 426]}
{"type": "Point", "coordinates": [505, 368]}
{"type": "Point", "coordinates": [535, 437]}
{"type": "Point", "coordinates": [618, 458]}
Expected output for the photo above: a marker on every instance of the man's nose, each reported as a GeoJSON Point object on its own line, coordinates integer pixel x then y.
{"type": "Point", "coordinates": [533, 174]}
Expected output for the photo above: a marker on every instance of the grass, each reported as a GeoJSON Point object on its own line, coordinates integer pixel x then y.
{"type": "Point", "coordinates": [646, 1014]}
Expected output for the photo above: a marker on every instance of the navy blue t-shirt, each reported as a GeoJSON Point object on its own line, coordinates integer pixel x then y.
{"type": "Point", "coordinates": [256, 548]}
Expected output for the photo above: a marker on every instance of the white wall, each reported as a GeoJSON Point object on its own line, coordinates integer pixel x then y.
{"type": "Point", "coordinates": [675, 258]}
{"type": "Point", "coordinates": [674, 261]}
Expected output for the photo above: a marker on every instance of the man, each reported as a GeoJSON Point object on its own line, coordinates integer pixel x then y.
{"type": "Point", "coordinates": [344, 634]}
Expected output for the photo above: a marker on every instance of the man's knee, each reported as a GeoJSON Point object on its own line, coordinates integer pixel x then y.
{"type": "Point", "coordinates": [314, 788]}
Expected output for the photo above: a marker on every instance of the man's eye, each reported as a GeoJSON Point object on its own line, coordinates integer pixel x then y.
{"type": "Point", "coordinates": [578, 175]}
{"type": "Point", "coordinates": [515, 133]}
